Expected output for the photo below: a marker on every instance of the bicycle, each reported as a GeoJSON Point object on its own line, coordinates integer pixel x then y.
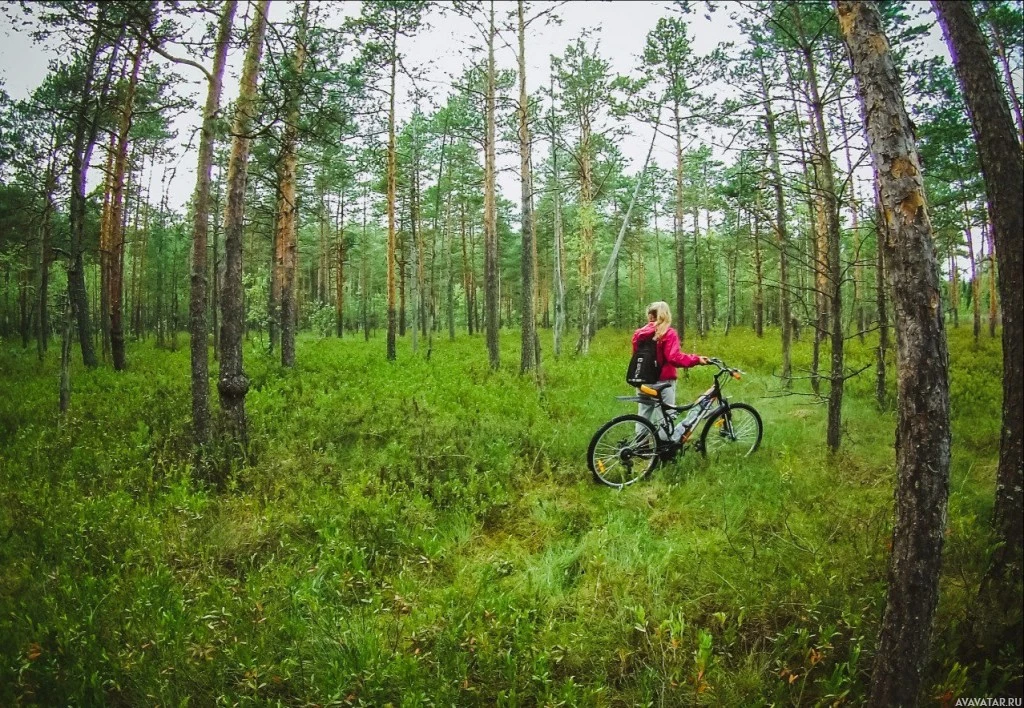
{"type": "Point", "coordinates": [626, 449]}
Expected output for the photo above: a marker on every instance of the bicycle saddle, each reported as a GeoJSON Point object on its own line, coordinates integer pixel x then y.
{"type": "Point", "coordinates": [655, 389]}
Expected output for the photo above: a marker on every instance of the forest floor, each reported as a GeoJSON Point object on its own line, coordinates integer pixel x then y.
{"type": "Point", "coordinates": [421, 533]}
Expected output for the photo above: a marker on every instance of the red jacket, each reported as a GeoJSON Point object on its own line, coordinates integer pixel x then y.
{"type": "Point", "coordinates": [668, 353]}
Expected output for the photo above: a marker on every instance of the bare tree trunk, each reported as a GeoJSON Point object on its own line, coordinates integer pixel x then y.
{"type": "Point", "coordinates": [86, 128]}
{"type": "Point", "coordinates": [1003, 168]}
{"type": "Point", "coordinates": [557, 259]}
{"type": "Point", "coordinates": [680, 241]}
{"type": "Point", "coordinates": [759, 276]}
{"type": "Point", "coordinates": [975, 285]}
{"type": "Point", "coordinates": [65, 357]}
{"type": "Point", "coordinates": [288, 209]}
{"type": "Point", "coordinates": [782, 236]}
{"type": "Point", "coordinates": [491, 318]}
{"type": "Point", "coordinates": [339, 282]}
{"type": "Point", "coordinates": [528, 360]}
{"type": "Point", "coordinates": [233, 384]}
{"type": "Point", "coordinates": [45, 254]}
{"type": "Point", "coordinates": [200, 229]}
{"type": "Point", "coordinates": [830, 266]}
{"type": "Point", "coordinates": [116, 231]}
{"type": "Point", "coordinates": [922, 428]}
{"type": "Point", "coordinates": [881, 288]}
{"type": "Point", "coordinates": [392, 314]}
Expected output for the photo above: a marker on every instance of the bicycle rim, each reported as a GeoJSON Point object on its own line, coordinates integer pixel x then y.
{"type": "Point", "coordinates": [623, 451]}
{"type": "Point", "coordinates": [732, 434]}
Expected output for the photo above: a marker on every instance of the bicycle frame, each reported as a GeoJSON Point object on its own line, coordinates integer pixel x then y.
{"type": "Point", "coordinates": [670, 414]}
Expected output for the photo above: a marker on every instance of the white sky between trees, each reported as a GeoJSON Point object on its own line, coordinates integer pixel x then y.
{"type": "Point", "coordinates": [619, 27]}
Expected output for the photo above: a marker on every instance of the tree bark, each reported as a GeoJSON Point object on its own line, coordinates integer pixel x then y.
{"type": "Point", "coordinates": [1003, 169]}
{"type": "Point", "coordinates": [115, 242]}
{"type": "Point", "coordinates": [392, 314]}
{"type": "Point", "coordinates": [288, 208]}
{"type": "Point", "coordinates": [881, 288]}
{"type": "Point", "coordinates": [528, 360]}
{"type": "Point", "coordinates": [830, 266]}
{"type": "Point", "coordinates": [922, 428]}
{"type": "Point", "coordinates": [491, 314]}
{"type": "Point", "coordinates": [86, 128]}
{"type": "Point", "coordinates": [200, 229]}
{"type": "Point", "coordinates": [233, 384]}
{"type": "Point", "coordinates": [677, 230]}
{"type": "Point", "coordinates": [781, 233]}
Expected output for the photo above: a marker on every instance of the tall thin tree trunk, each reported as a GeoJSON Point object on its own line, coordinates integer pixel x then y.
{"type": "Point", "coordinates": [781, 233]}
{"type": "Point", "coordinates": [831, 267]}
{"type": "Point", "coordinates": [881, 288]}
{"type": "Point", "coordinates": [975, 285]}
{"type": "Point", "coordinates": [86, 128]}
{"type": "Point", "coordinates": [557, 260]}
{"type": "Point", "coordinates": [528, 360]}
{"type": "Point", "coordinates": [116, 231]}
{"type": "Point", "coordinates": [680, 241]}
{"type": "Point", "coordinates": [288, 209]}
{"type": "Point", "coordinates": [45, 254]}
{"type": "Point", "coordinates": [491, 317]}
{"type": "Point", "coordinates": [200, 228]}
{"type": "Point", "coordinates": [233, 384]}
{"type": "Point", "coordinates": [392, 314]}
{"type": "Point", "coordinates": [339, 282]}
{"type": "Point", "coordinates": [922, 428]}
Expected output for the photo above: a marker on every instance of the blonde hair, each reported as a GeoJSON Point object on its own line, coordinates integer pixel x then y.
{"type": "Point", "coordinates": [662, 318]}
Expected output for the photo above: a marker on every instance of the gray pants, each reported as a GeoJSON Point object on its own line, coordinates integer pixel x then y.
{"type": "Point", "coordinates": [653, 413]}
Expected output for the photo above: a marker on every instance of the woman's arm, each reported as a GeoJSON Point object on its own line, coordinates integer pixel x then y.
{"type": "Point", "coordinates": [674, 356]}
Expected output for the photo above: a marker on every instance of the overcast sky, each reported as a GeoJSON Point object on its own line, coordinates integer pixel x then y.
{"type": "Point", "coordinates": [620, 26]}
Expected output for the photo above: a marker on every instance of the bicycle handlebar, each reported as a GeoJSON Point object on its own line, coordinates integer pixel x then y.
{"type": "Point", "coordinates": [722, 368]}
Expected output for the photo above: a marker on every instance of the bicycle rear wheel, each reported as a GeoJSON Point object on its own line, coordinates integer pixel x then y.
{"type": "Point", "coordinates": [731, 434]}
{"type": "Point", "coordinates": [623, 451]}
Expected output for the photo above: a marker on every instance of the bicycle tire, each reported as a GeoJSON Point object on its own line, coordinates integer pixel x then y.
{"type": "Point", "coordinates": [616, 445]}
{"type": "Point", "coordinates": [737, 433]}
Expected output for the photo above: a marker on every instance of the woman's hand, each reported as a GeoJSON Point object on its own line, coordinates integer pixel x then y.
{"type": "Point", "coordinates": [705, 360]}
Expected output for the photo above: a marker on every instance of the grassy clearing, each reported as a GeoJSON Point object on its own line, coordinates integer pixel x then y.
{"type": "Point", "coordinates": [427, 533]}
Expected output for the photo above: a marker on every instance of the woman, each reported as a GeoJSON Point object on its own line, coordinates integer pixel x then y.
{"type": "Point", "coordinates": [669, 356]}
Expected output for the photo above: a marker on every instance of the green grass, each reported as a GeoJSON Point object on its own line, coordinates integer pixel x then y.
{"type": "Point", "coordinates": [426, 533]}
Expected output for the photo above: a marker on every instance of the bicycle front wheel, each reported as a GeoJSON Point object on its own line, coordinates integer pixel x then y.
{"type": "Point", "coordinates": [623, 451]}
{"type": "Point", "coordinates": [731, 433]}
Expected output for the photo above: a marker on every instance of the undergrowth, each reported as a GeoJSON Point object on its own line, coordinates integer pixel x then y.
{"type": "Point", "coordinates": [426, 533]}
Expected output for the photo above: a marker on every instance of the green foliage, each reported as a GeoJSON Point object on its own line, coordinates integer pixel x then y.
{"type": "Point", "coordinates": [426, 532]}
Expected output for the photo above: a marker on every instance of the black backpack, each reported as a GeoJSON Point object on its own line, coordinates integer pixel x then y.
{"type": "Point", "coordinates": [643, 367]}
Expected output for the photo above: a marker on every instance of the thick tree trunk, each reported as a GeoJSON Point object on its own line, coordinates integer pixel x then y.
{"type": "Point", "coordinates": [233, 384]}
{"type": "Point", "coordinates": [1003, 168]}
{"type": "Point", "coordinates": [200, 228]}
{"type": "Point", "coordinates": [922, 428]}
